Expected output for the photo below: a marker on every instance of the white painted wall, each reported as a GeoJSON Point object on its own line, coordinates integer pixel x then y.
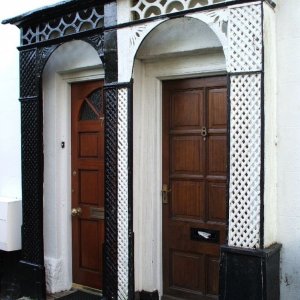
{"type": "Point", "coordinates": [270, 153]}
{"type": "Point", "coordinates": [288, 112]}
{"type": "Point", "coordinates": [10, 153]}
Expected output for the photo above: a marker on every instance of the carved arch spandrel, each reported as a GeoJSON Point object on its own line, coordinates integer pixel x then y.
{"type": "Point", "coordinates": [131, 38]}
{"type": "Point", "coordinates": [129, 41]}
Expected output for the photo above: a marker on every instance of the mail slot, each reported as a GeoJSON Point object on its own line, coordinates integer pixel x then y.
{"type": "Point", "coordinates": [97, 213]}
{"type": "Point", "coordinates": [205, 235]}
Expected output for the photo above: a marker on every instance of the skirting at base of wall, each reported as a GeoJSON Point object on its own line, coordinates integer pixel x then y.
{"type": "Point", "coordinates": [32, 278]}
{"type": "Point", "coordinates": [250, 273]}
{"type": "Point", "coordinates": [143, 295]}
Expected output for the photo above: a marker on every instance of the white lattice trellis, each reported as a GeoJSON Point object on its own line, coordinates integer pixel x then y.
{"type": "Point", "coordinates": [245, 55]}
{"type": "Point", "coordinates": [123, 269]}
{"type": "Point", "coordinates": [245, 161]}
{"type": "Point", "coordinates": [245, 38]}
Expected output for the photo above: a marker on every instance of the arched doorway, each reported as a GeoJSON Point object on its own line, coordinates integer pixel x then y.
{"type": "Point", "coordinates": [71, 63]}
{"type": "Point", "coordinates": [168, 57]}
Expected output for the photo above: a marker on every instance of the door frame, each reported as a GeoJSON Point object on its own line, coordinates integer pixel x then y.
{"type": "Point", "coordinates": [63, 81]}
{"type": "Point", "coordinates": [156, 73]}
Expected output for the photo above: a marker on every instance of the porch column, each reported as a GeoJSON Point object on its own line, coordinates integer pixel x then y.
{"type": "Point", "coordinates": [118, 274]}
{"type": "Point", "coordinates": [249, 268]}
{"type": "Point", "coordinates": [118, 260]}
{"type": "Point", "coordinates": [32, 269]}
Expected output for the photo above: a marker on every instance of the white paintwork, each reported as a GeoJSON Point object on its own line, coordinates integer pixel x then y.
{"type": "Point", "coordinates": [170, 39]}
{"type": "Point", "coordinates": [245, 125]}
{"type": "Point", "coordinates": [73, 61]}
{"type": "Point", "coordinates": [10, 138]}
{"type": "Point", "coordinates": [123, 243]}
{"type": "Point", "coordinates": [123, 11]}
{"type": "Point", "coordinates": [10, 224]}
{"type": "Point", "coordinates": [216, 20]}
{"type": "Point", "coordinates": [147, 175]}
{"type": "Point", "coordinates": [288, 115]}
{"type": "Point", "coordinates": [131, 39]}
{"type": "Point", "coordinates": [270, 101]}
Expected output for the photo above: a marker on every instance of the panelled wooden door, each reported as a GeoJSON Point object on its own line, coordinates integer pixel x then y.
{"type": "Point", "coordinates": [194, 178]}
{"type": "Point", "coordinates": [87, 182]}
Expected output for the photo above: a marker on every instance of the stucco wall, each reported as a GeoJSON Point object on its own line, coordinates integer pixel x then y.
{"type": "Point", "coordinates": [288, 112]}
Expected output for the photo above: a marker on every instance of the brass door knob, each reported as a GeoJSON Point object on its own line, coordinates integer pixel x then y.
{"type": "Point", "coordinates": [76, 212]}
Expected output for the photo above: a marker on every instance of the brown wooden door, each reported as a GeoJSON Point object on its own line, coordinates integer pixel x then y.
{"type": "Point", "coordinates": [87, 183]}
{"type": "Point", "coordinates": [194, 168]}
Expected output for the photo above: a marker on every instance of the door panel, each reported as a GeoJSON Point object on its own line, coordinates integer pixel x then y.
{"type": "Point", "coordinates": [87, 182]}
{"type": "Point", "coordinates": [185, 155]}
{"type": "Point", "coordinates": [217, 155]}
{"type": "Point", "coordinates": [194, 169]}
{"type": "Point", "coordinates": [216, 203]}
{"type": "Point", "coordinates": [185, 109]}
{"type": "Point", "coordinates": [187, 199]}
{"type": "Point", "coordinates": [184, 263]}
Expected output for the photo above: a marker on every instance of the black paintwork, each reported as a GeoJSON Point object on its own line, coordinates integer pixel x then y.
{"type": "Point", "coordinates": [250, 274]}
{"type": "Point", "coordinates": [145, 295]}
{"type": "Point", "coordinates": [111, 193]}
{"type": "Point", "coordinates": [9, 270]}
{"type": "Point", "coordinates": [130, 193]}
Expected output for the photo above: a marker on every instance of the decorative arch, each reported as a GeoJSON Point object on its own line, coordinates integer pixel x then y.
{"type": "Point", "coordinates": [239, 29]}
{"type": "Point", "coordinates": [132, 37]}
{"type": "Point", "coordinates": [82, 58]}
{"type": "Point", "coordinates": [32, 63]}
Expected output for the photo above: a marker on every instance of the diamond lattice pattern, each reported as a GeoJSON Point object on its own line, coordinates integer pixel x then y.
{"type": "Point", "coordinates": [83, 20]}
{"type": "Point", "coordinates": [122, 195]}
{"type": "Point", "coordinates": [245, 38]}
{"type": "Point", "coordinates": [245, 161]}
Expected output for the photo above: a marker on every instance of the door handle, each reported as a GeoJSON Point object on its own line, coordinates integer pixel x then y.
{"type": "Point", "coordinates": [76, 212]}
{"type": "Point", "coordinates": [165, 194]}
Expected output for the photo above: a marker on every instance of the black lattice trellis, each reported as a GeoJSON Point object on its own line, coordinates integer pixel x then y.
{"type": "Point", "coordinates": [28, 84]}
{"type": "Point", "coordinates": [71, 23]}
{"type": "Point", "coordinates": [111, 195]}
{"type": "Point", "coordinates": [32, 181]}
